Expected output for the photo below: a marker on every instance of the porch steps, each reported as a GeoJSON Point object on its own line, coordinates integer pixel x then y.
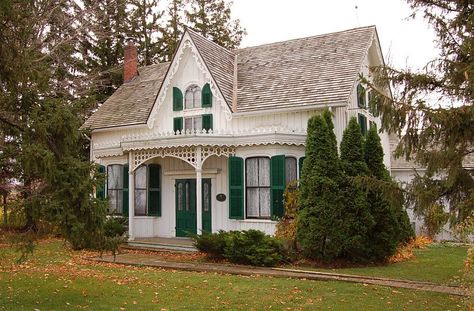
{"type": "Point", "coordinates": [180, 245]}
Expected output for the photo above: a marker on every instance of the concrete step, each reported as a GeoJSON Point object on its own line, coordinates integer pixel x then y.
{"type": "Point", "coordinates": [160, 246]}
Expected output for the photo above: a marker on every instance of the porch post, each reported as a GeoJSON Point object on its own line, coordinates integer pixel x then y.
{"type": "Point", "coordinates": [199, 189]}
{"type": "Point", "coordinates": [131, 196]}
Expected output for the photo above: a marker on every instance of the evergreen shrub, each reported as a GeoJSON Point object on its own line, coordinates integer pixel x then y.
{"type": "Point", "coordinates": [249, 247]}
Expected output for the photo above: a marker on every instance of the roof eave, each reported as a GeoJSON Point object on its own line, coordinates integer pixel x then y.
{"type": "Point", "coordinates": [289, 109]}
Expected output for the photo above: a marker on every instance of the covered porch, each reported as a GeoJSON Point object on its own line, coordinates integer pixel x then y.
{"type": "Point", "coordinates": [191, 173]}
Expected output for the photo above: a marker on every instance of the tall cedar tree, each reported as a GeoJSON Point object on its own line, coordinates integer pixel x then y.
{"type": "Point", "coordinates": [144, 27]}
{"type": "Point", "coordinates": [437, 132]}
{"type": "Point", "coordinates": [101, 44]}
{"type": "Point", "coordinates": [358, 218]}
{"type": "Point", "coordinates": [320, 229]}
{"type": "Point", "coordinates": [173, 29]}
{"type": "Point", "coordinates": [392, 225]}
{"type": "Point", "coordinates": [211, 18]}
{"type": "Point", "coordinates": [38, 112]}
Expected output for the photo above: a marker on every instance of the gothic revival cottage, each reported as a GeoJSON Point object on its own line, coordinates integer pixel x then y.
{"type": "Point", "coordinates": [209, 140]}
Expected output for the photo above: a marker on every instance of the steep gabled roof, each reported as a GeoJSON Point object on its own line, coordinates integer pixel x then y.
{"type": "Point", "coordinates": [311, 71]}
{"type": "Point", "coordinates": [219, 62]}
{"type": "Point", "coordinates": [300, 73]}
{"type": "Point", "coordinates": [131, 103]}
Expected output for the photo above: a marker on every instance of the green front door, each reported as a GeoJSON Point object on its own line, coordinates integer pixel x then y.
{"type": "Point", "coordinates": [186, 206]}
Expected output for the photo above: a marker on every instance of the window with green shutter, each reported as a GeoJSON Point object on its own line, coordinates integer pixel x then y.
{"type": "Point", "coordinates": [177, 99]}
{"type": "Point", "coordinates": [115, 188]}
{"type": "Point", "coordinates": [362, 123]}
{"type": "Point", "coordinates": [361, 103]}
{"type": "Point", "coordinates": [236, 188]}
{"type": "Point", "coordinates": [206, 96]}
{"type": "Point", "coordinates": [125, 191]}
{"type": "Point", "coordinates": [154, 190]}
{"type": "Point", "coordinates": [278, 183]}
{"type": "Point", "coordinates": [177, 124]}
{"type": "Point", "coordinates": [100, 191]}
{"type": "Point", "coordinates": [207, 122]}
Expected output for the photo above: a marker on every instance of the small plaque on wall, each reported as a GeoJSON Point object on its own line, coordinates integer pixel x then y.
{"type": "Point", "coordinates": [221, 197]}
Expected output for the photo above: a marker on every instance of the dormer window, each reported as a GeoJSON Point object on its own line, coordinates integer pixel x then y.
{"type": "Point", "coordinates": [192, 97]}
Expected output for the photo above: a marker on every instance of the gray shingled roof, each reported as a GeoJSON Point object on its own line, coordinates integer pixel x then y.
{"type": "Point", "coordinates": [305, 72]}
{"type": "Point", "coordinates": [131, 103]}
{"type": "Point", "coordinates": [311, 71]}
{"type": "Point", "coordinates": [220, 63]}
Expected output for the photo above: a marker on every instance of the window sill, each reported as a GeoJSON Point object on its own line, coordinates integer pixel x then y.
{"type": "Point", "coordinates": [145, 217]}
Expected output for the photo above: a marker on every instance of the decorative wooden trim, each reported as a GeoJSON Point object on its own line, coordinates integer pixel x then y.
{"type": "Point", "coordinates": [186, 43]}
{"type": "Point", "coordinates": [188, 154]}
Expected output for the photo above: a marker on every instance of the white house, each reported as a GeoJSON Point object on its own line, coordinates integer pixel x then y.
{"type": "Point", "coordinates": [209, 140]}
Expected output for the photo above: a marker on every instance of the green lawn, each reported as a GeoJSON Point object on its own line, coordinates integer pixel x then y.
{"type": "Point", "coordinates": [438, 262]}
{"type": "Point", "coordinates": [57, 279]}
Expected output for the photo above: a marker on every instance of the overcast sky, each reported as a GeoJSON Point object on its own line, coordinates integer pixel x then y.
{"type": "Point", "coordinates": [405, 42]}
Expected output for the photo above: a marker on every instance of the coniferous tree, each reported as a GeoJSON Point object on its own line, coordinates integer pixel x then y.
{"type": "Point", "coordinates": [358, 218]}
{"type": "Point", "coordinates": [104, 30]}
{"type": "Point", "coordinates": [320, 229]}
{"type": "Point", "coordinates": [144, 20]}
{"type": "Point", "coordinates": [212, 19]}
{"type": "Point", "coordinates": [392, 226]}
{"type": "Point", "coordinates": [173, 29]}
{"type": "Point", "coordinates": [352, 154]}
{"type": "Point", "coordinates": [38, 111]}
{"type": "Point", "coordinates": [436, 131]}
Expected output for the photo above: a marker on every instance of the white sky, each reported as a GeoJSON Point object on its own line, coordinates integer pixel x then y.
{"type": "Point", "coordinates": [405, 42]}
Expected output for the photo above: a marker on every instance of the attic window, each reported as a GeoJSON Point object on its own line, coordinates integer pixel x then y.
{"type": "Point", "coordinates": [192, 97]}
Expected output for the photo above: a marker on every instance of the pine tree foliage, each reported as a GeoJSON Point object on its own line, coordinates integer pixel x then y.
{"type": "Point", "coordinates": [144, 19]}
{"type": "Point", "coordinates": [333, 217]}
{"type": "Point", "coordinates": [432, 110]}
{"type": "Point", "coordinates": [320, 229]}
{"type": "Point", "coordinates": [101, 44]}
{"type": "Point", "coordinates": [173, 28]}
{"type": "Point", "coordinates": [212, 19]}
{"type": "Point", "coordinates": [39, 113]}
{"type": "Point", "coordinates": [359, 219]}
{"type": "Point", "coordinates": [392, 226]}
{"type": "Point", "coordinates": [352, 154]}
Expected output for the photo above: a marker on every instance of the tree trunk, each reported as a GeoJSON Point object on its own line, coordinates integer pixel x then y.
{"type": "Point", "coordinates": [5, 218]}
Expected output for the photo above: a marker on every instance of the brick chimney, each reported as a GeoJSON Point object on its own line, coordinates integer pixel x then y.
{"type": "Point", "coordinates": [130, 61]}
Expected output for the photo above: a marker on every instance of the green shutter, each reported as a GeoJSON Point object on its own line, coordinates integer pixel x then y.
{"type": "Point", "coordinates": [177, 124]}
{"type": "Point", "coordinates": [361, 96]}
{"type": "Point", "coordinates": [277, 184]}
{"type": "Point", "coordinates": [362, 123]}
{"type": "Point", "coordinates": [154, 190]}
{"type": "Point", "coordinates": [100, 191]}
{"type": "Point", "coordinates": [177, 99]}
{"type": "Point", "coordinates": [125, 191]}
{"type": "Point", "coordinates": [206, 96]}
{"type": "Point", "coordinates": [300, 166]}
{"type": "Point", "coordinates": [207, 122]}
{"type": "Point", "coordinates": [236, 188]}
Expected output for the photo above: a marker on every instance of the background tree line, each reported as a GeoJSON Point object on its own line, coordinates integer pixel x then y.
{"type": "Point", "coordinates": [59, 60]}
